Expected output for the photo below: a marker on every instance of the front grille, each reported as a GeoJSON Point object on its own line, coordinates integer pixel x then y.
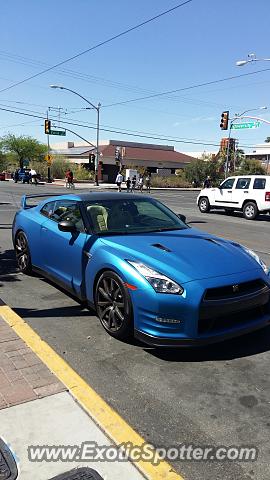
{"type": "Point", "coordinates": [233, 320]}
{"type": "Point", "coordinates": [236, 290]}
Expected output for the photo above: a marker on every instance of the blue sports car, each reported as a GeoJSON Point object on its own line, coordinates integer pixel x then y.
{"type": "Point", "coordinates": [142, 268]}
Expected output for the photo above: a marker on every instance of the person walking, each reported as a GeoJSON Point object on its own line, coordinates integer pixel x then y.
{"type": "Point", "coordinates": [119, 180]}
{"type": "Point", "coordinates": [16, 175]}
{"type": "Point", "coordinates": [69, 179]}
{"type": "Point", "coordinates": [133, 183]}
{"type": "Point", "coordinates": [148, 183]}
{"type": "Point", "coordinates": [33, 176]}
{"type": "Point", "coordinates": [128, 184]}
{"type": "Point", "coordinates": [207, 182]}
{"type": "Point", "coordinates": [141, 183]}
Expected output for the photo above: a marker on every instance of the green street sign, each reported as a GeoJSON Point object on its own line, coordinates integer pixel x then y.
{"type": "Point", "coordinates": [57, 132]}
{"type": "Point", "coordinates": [239, 126]}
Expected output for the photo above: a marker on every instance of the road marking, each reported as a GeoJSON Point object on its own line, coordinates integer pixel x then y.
{"type": "Point", "coordinates": [114, 426]}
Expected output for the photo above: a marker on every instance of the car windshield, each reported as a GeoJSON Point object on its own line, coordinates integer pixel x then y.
{"type": "Point", "coordinates": [127, 216]}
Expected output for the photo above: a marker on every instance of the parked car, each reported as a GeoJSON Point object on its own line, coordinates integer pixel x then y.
{"type": "Point", "coordinates": [144, 270]}
{"type": "Point", "coordinates": [24, 175]}
{"type": "Point", "coordinates": [247, 193]}
{"type": "Point", "coordinates": [2, 177]}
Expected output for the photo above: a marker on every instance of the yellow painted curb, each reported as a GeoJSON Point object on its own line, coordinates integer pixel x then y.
{"type": "Point", "coordinates": [115, 427]}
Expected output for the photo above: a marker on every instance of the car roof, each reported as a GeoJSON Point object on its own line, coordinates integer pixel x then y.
{"type": "Point", "coordinates": [94, 196]}
{"type": "Point", "coordinates": [106, 196]}
{"type": "Point", "coordinates": [249, 176]}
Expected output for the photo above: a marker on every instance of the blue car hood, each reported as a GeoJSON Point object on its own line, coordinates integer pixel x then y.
{"type": "Point", "coordinates": [189, 254]}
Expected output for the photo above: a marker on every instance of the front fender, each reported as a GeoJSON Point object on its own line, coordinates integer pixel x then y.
{"type": "Point", "coordinates": [107, 260]}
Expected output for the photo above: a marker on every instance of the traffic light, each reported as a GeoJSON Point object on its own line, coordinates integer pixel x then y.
{"type": "Point", "coordinates": [92, 158]}
{"type": "Point", "coordinates": [117, 154]}
{"type": "Point", "coordinates": [47, 126]}
{"type": "Point", "coordinates": [224, 120]}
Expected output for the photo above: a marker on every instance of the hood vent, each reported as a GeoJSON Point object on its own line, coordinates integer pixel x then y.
{"type": "Point", "coordinates": [161, 247]}
{"type": "Point", "coordinates": [212, 240]}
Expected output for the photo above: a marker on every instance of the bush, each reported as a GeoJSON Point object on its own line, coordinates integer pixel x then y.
{"type": "Point", "coordinates": [172, 181]}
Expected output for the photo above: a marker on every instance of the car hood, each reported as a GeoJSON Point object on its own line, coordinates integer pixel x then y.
{"type": "Point", "coordinates": [184, 255]}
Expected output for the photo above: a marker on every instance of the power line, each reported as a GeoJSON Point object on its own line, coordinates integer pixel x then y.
{"type": "Point", "coordinates": [125, 32]}
{"type": "Point", "coordinates": [105, 82]}
{"type": "Point", "coordinates": [151, 137]}
{"type": "Point", "coordinates": [191, 87]}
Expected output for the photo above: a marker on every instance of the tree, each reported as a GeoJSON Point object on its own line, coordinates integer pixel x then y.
{"type": "Point", "coordinates": [251, 167]}
{"type": "Point", "coordinates": [23, 147]}
{"type": "Point", "coordinates": [196, 171]}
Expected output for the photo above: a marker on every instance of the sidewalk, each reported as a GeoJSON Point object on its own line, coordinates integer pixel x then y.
{"type": "Point", "coordinates": [36, 409]}
{"type": "Point", "coordinates": [113, 186]}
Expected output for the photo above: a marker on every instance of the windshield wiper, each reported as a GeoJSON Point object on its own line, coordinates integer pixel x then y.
{"type": "Point", "coordinates": [134, 232]}
{"type": "Point", "coordinates": [167, 229]}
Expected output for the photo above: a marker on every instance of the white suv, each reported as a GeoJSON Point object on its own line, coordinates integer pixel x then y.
{"type": "Point", "coordinates": [248, 193]}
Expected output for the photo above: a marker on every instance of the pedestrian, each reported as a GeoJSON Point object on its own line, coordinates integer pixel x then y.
{"type": "Point", "coordinates": [33, 175]}
{"type": "Point", "coordinates": [16, 175]}
{"type": "Point", "coordinates": [119, 180]}
{"type": "Point", "coordinates": [141, 183]}
{"type": "Point", "coordinates": [69, 179]}
{"type": "Point", "coordinates": [207, 182]}
{"type": "Point", "coordinates": [133, 183]}
{"type": "Point", "coordinates": [128, 184]}
{"type": "Point", "coordinates": [148, 183]}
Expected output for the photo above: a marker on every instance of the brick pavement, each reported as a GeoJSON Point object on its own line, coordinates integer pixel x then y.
{"type": "Point", "coordinates": [23, 376]}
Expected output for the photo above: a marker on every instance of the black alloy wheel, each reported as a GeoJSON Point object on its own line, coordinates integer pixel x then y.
{"type": "Point", "coordinates": [113, 305]}
{"type": "Point", "coordinates": [23, 253]}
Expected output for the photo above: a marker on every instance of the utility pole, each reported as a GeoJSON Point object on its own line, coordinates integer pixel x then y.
{"type": "Point", "coordinates": [48, 152]}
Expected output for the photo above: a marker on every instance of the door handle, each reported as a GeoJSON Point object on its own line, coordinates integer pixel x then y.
{"type": "Point", "coordinates": [44, 229]}
{"type": "Point", "coordinates": [229, 191]}
{"type": "Point", "coordinates": [246, 191]}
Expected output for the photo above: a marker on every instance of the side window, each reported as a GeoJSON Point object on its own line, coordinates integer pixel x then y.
{"type": "Point", "coordinates": [243, 183]}
{"type": "Point", "coordinates": [259, 183]}
{"type": "Point", "coordinates": [47, 209]}
{"type": "Point", "coordinates": [70, 211]}
{"type": "Point", "coordinates": [227, 184]}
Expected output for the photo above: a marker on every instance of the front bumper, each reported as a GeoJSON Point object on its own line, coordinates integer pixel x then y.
{"type": "Point", "coordinates": [196, 342]}
{"type": "Point", "coordinates": [191, 319]}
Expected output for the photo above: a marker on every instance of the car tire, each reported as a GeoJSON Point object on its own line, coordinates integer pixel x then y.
{"type": "Point", "coordinates": [22, 252]}
{"type": "Point", "coordinates": [113, 305]}
{"type": "Point", "coordinates": [250, 210]}
{"type": "Point", "coordinates": [204, 205]}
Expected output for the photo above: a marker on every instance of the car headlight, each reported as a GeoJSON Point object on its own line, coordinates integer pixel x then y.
{"type": "Point", "coordinates": [257, 258]}
{"type": "Point", "coordinates": [159, 282]}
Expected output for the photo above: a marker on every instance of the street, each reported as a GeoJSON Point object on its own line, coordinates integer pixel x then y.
{"type": "Point", "coordinates": [211, 396]}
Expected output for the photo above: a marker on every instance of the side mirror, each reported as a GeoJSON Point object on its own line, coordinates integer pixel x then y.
{"type": "Point", "coordinates": [182, 217]}
{"type": "Point", "coordinates": [67, 226]}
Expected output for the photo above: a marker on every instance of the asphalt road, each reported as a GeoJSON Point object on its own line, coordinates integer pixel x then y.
{"type": "Point", "coordinates": [216, 395]}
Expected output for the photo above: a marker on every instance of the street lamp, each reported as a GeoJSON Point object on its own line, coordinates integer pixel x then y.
{"type": "Point", "coordinates": [236, 117]}
{"type": "Point", "coordinates": [97, 108]}
{"type": "Point", "coordinates": [251, 58]}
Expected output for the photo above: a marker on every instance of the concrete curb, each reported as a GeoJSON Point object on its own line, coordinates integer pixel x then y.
{"type": "Point", "coordinates": [112, 424]}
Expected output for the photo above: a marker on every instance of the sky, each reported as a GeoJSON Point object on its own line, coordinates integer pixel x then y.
{"type": "Point", "coordinates": [194, 44]}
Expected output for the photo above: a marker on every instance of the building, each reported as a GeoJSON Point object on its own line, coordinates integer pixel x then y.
{"type": "Point", "coordinates": [154, 158]}
{"type": "Point", "coordinates": [261, 152]}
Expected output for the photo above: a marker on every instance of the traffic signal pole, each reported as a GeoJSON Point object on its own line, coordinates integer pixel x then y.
{"type": "Point", "coordinates": [48, 152]}
{"type": "Point", "coordinates": [97, 155]}
{"type": "Point", "coordinates": [228, 149]}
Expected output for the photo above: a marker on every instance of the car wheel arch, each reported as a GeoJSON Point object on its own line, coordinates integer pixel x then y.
{"type": "Point", "coordinates": [249, 200]}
